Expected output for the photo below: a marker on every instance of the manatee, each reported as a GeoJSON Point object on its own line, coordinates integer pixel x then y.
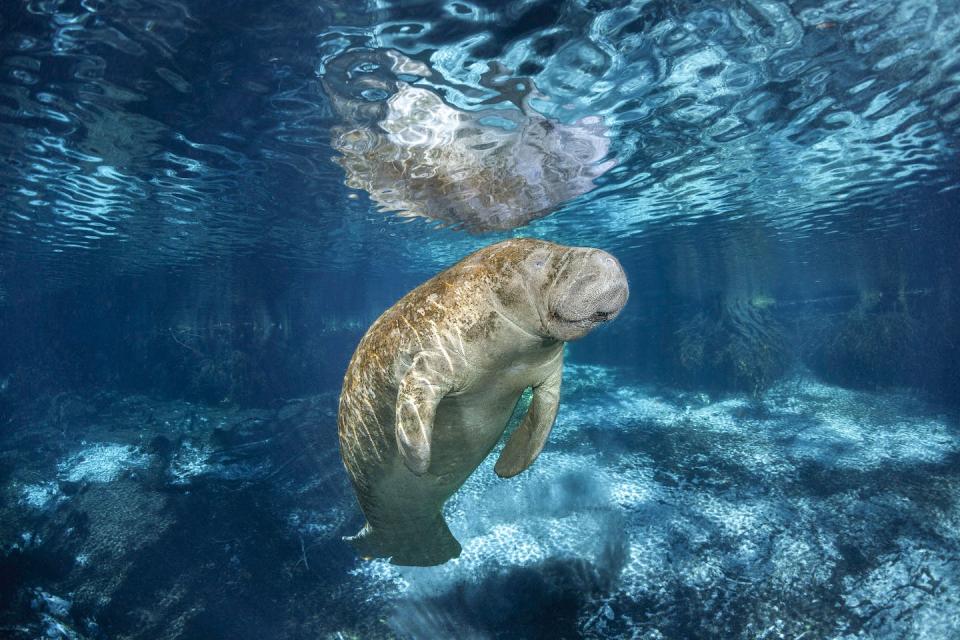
{"type": "Point", "coordinates": [434, 381]}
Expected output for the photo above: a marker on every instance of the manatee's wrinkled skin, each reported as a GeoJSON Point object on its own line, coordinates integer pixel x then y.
{"type": "Point", "coordinates": [482, 171]}
{"type": "Point", "coordinates": [431, 386]}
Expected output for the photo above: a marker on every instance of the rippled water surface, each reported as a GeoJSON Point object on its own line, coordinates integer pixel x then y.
{"type": "Point", "coordinates": [161, 132]}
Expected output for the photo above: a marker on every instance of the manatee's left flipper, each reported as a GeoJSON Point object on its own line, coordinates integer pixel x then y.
{"type": "Point", "coordinates": [527, 441]}
{"type": "Point", "coordinates": [421, 389]}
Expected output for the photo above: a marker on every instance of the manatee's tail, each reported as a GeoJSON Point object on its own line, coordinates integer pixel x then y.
{"type": "Point", "coordinates": [421, 547]}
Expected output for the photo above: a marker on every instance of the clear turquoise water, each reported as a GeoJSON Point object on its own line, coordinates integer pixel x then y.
{"type": "Point", "coordinates": [203, 205]}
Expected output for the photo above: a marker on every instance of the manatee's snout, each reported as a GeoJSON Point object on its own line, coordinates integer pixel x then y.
{"type": "Point", "coordinates": [612, 281]}
{"type": "Point", "coordinates": [594, 292]}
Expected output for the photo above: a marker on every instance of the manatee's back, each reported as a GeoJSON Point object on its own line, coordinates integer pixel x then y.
{"type": "Point", "coordinates": [368, 398]}
{"type": "Point", "coordinates": [366, 413]}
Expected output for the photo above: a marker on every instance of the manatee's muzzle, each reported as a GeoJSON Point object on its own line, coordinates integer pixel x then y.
{"type": "Point", "coordinates": [597, 294]}
{"type": "Point", "coordinates": [602, 316]}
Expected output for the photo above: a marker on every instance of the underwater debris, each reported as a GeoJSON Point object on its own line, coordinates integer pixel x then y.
{"type": "Point", "coordinates": [739, 346]}
{"type": "Point", "coordinates": [187, 463]}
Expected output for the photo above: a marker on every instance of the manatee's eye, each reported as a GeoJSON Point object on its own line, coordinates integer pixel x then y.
{"type": "Point", "coordinates": [538, 263]}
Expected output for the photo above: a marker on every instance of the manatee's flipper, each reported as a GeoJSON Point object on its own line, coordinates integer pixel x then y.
{"type": "Point", "coordinates": [421, 389]}
{"type": "Point", "coordinates": [424, 547]}
{"type": "Point", "coordinates": [528, 439]}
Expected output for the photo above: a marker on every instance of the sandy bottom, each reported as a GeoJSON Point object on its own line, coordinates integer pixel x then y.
{"type": "Point", "coordinates": [814, 512]}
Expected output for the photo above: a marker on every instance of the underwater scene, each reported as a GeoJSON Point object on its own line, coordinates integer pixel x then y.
{"type": "Point", "coordinates": [479, 319]}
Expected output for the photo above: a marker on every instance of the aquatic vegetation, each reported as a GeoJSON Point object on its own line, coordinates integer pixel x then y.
{"type": "Point", "coordinates": [868, 349]}
{"type": "Point", "coordinates": [888, 340]}
{"type": "Point", "coordinates": [736, 346]}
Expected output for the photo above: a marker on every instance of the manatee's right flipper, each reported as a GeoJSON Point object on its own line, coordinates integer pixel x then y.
{"type": "Point", "coordinates": [421, 389]}
{"type": "Point", "coordinates": [425, 546]}
{"type": "Point", "coordinates": [527, 441]}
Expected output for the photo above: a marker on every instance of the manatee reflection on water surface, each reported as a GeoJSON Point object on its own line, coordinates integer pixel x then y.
{"type": "Point", "coordinates": [485, 170]}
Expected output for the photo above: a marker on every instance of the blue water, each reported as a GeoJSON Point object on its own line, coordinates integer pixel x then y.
{"type": "Point", "coordinates": [204, 205]}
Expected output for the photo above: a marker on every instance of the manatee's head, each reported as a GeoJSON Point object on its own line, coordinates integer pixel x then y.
{"type": "Point", "coordinates": [554, 291]}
